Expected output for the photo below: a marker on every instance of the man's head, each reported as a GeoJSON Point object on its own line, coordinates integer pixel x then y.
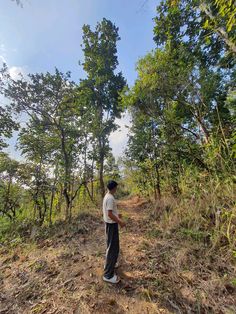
{"type": "Point", "coordinates": [112, 186]}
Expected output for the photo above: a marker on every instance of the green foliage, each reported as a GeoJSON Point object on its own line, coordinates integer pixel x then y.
{"type": "Point", "coordinates": [233, 282]}
{"type": "Point", "coordinates": [221, 19]}
{"type": "Point", "coordinates": [181, 142]}
{"type": "Point", "coordinates": [196, 235]}
{"type": "Point", "coordinates": [10, 190]}
{"type": "Point", "coordinates": [231, 103]}
{"type": "Point", "coordinates": [65, 139]}
{"type": "Point", "coordinates": [154, 233]}
{"type": "Point", "coordinates": [7, 124]}
{"type": "Point", "coordinates": [179, 101]}
{"type": "Point", "coordinates": [182, 139]}
{"type": "Point", "coordinates": [55, 136]}
{"type": "Point", "coordinates": [111, 168]}
{"type": "Point", "coordinates": [206, 28]}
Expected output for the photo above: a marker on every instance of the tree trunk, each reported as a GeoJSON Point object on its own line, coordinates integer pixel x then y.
{"type": "Point", "coordinates": [204, 129]}
{"type": "Point", "coordinates": [67, 183]}
{"type": "Point", "coordinates": [51, 205]}
{"type": "Point", "coordinates": [45, 209]}
{"type": "Point", "coordinates": [158, 186]}
{"type": "Point", "coordinates": [102, 186]}
{"type": "Point", "coordinates": [67, 199]}
{"type": "Point", "coordinates": [92, 186]}
{"type": "Point", "coordinates": [89, 194]}
{"type": "Point", "coordinates": [101, 145]}
{"type": "Point", "coordinates": [101, 166]}
{"type": "Point", "coordinates": [58, 205]}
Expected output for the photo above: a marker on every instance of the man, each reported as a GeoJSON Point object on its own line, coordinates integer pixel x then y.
{"type": "Point", "coordinates": [112, 219]}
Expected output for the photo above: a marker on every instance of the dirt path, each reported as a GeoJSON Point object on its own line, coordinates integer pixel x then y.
{"type": "Point", "coordinates": [129, 296]}
{"type": "Point", "coordinates": [62, 274]}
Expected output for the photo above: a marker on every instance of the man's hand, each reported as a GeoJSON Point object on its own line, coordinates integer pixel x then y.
{"type": "Point", "coordinates": [120, 216]}
{"type": "Point", "coordinates": [116, 219]}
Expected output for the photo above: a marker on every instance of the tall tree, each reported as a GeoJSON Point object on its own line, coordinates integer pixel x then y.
{"type": "Point", "coordinates": [181, 92]}
{"type": "Point", "coordinates": [102, 85]}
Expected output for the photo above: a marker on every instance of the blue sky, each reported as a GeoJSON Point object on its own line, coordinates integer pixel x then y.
{"type": "Point", "coordinates": [45, 34]}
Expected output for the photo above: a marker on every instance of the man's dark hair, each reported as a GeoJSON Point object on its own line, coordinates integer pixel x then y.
{"type": "Point", "coordinates": [111, 185]}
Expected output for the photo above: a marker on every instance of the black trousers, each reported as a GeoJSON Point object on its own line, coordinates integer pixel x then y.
{"type": "Point", "coordinates": [113, 248]}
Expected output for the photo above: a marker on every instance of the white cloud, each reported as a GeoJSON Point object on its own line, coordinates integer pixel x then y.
{"type": "Point", "coordinates": [15, 72]}
{"type": "Point", "coordinates": [118, 139]}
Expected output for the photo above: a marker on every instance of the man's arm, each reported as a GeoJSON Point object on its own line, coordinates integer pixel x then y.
{"type": "Point", "coordinates": [115, 218]}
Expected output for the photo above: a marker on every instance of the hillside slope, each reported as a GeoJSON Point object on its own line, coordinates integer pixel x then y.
{"type": "Point", "coordinates": [160, 272]}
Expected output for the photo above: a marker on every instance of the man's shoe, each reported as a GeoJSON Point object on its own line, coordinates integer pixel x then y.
{"type": "Point", "coordinates": [116, 265]}
{"type": "Point", "coordinates": [114, 279]}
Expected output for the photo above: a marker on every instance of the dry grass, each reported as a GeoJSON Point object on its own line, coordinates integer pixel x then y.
{"type": "Point", "coordinates": [162, 271]}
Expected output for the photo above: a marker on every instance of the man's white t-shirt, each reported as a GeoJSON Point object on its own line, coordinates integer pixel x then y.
{"type": "Point", "coordinates": [109, 203]}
